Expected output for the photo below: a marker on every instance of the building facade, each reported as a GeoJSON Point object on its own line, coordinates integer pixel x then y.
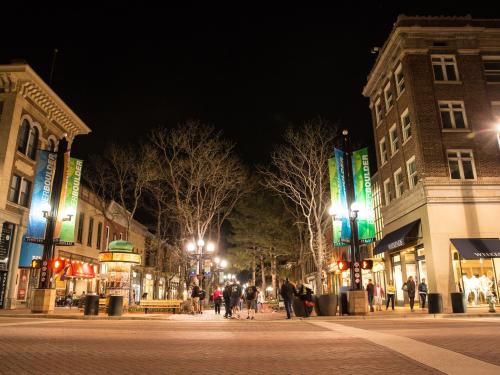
{"type": "Point", "coordinates": [32, 116]}
{"type": "Point", "coordinates": [434, 94]}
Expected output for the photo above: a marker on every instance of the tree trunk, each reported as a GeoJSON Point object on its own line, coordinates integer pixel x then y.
{"type": "Point", "coordinates": [263, 274]}
{"type": "Point", "coordinates": [273, 276]}
{"type": "Point", "coordinates": [253, 270]}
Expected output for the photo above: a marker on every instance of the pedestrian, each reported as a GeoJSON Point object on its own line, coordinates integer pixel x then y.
{"type": "Point", "coordinates": [378, 295]}
{"type": "Point", "coordinates": [251, 300]}
{"type": "Point", "coordinates": [370, 289]}
{"type": "Point", "coordinates": [305, 294]}
{"type": "Point", "coordinates": [422, 291]}
{"type": "Point", "coordinates": [226, 294]}
{"type": "Point", "coordinates": [409, 287]}
{"type": "Point", "coordinates": [391, 291]}
{"type": "Point", "coordinates": [288, 292]}
{"type": "Point", "coordinates": [261, 299]}
{"type": "Point", "coordinates": [235, 299]}
{"type": "Point", "coordinates": [69, 300]}
{"type": "Point", "coordinates": [217, 298]}
{"type": "Point", "coordinates": [201, 301]}
{"type": "Point", "coordinates": [195, 297]}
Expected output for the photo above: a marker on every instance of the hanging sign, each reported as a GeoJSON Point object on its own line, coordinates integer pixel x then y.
{"type": "Point", "coordinates": [69, 207]}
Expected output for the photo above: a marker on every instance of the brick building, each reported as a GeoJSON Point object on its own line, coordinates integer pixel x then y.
{"type": "Point", "coordinates": [434, 94]}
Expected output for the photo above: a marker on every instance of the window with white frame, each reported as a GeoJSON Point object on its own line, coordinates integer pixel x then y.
{"type": "Point", "coordinates": [387, 191]}
{"type": "Point", "coordinates": [444, 68]}
{"type": "Point", "coordinates": [389, 99]}
{"type": "Point", "coordinates": [406, 125]}
{"type": "Point", "coordinates": [393, 136]}
{"type": "Point", "coordinates": [411, 168]}
{"type": "Point", "coordinates": [492, 68]}
{"type": "Point", "coordinates": [19, 190]}
{"type": "Point", "coordinates": [452, 115]}
{"type": "Point", "coordinates": [399, 183]}
{"type": "Point", "coordinates": [461, 164]}
{"type": "Point", "coordinates": [28, 139]}
{"type": "Point", "coordinates": [378, 110]}
{"type": "Point", "coordinates": [400, 79]}
{"type": "Point", "coordinates": [383, 151]}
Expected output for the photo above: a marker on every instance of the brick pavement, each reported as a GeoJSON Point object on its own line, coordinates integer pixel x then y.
{"type": "Point", "coordinates": [222, 347]}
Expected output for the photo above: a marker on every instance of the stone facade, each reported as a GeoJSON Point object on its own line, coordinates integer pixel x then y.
{"type": "Point", "coordinates": [442, 63]}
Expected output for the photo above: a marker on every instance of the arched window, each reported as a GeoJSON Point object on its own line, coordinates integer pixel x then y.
{"type": "Point", "coordinates": [24, 132]}
{"type": "Point", "coordinates": [52, 145]}
{"type": "Point", "coordinates": [32, 143]}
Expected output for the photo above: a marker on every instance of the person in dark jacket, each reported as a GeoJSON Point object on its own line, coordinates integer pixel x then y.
{"type": "Point", "coordinates": [422, 291]}
{"type": "Point", "coordinates": [226, 294]}
{"type": "Point", "coordinates": [288, 292]}
{"type": "Point", "coordinates": [305, 293]}
{"type": "Point", "coordinates": [410, 287]}
{"type": "Point", "coordinates": [370, 288]}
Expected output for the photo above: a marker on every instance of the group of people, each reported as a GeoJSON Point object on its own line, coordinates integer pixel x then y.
{"type": "Point", "coordinates": [304, 292]}
{"type": "Point", "coordinates": [197, 299]}
{"type": "Point", "coordinates": [233, 296]}
{"type": "Point", "coordinates": [376, 294]}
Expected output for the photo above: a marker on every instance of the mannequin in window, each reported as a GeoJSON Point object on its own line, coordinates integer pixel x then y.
{"type": "Point", "coordinates": [485, 286]}
{"type": "Point", "coordinates": [475, 286]}
{"type": "Point", "coordinates": [467, 287]}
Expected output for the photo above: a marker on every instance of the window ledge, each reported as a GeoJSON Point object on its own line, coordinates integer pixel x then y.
{"type": "Point", "coordinates": [406, 141]}
{"type": "Point", "coordinates": [456, 130]}
{"type": "Point", "coordinates": [394, 153]}
{"type": "Point", "coordinates": [384, 163]}
{"type": "Point", "coordinates": [401, 93]}
{"type": "Point", "coordinates": [25, 157]}
{"type": "Point", "coordinates": [448, 82]}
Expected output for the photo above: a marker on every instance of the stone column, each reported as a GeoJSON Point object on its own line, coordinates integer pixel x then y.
{"type": "Point", "coordinates": [10, 300]}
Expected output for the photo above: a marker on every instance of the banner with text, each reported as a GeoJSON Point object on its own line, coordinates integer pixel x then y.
{"type": "Point", "coordinates": [341, 224]}
{"type": "Point", "coordinates": [363, 195]}
{"type": "Point", "coordinates": [70, 201]}
{"type": "Point", "coordinates": [40, 201]}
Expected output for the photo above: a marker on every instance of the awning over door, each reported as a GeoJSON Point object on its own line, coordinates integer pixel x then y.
{"type": "Point", "coordinates": [475, 248]}
{"type": "Point", "coordinates": [399, 238]}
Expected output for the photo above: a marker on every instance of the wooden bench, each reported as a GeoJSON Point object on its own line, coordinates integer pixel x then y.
{"type": "Point", "coordinates": [161, 304]}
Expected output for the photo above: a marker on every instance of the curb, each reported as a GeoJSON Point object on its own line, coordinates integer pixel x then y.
{"type": "Point", "coordinates": [81, 317]}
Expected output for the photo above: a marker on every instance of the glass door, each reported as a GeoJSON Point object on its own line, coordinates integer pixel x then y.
{"type": "Point", "coordinates": [398, 283]}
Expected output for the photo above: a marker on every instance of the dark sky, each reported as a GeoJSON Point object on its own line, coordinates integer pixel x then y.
{"type": "Point", "coordinates": [250, 72]}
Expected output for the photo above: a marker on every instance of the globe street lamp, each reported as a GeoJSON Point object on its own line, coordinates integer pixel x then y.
{"type": "Point", "coordinates": [191, 247]}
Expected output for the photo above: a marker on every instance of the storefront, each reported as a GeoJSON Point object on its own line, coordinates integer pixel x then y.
{"type": "Point", "coordinates": [75, 277]}
{"type": "Point", "coordinates": [476, 268]}
{"type": "Point", "coordinates": [136, 286]}
{"type": "Point", "coordinates": [404, 256]}
{"type": "Point", "coordinates": [148, 287]}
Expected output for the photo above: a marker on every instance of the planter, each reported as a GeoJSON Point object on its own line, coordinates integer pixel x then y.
{"type": "Point", "coordinates": [326, 305]}
{"type": "Point", "coordinates": [298, 307]}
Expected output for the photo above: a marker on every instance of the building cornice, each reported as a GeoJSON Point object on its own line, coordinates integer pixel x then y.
{"type": "Point", "coordinates": [21, 79]}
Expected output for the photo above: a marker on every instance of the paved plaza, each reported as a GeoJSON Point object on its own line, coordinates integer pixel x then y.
{"type": "Point", "coordinates": [209, 344]}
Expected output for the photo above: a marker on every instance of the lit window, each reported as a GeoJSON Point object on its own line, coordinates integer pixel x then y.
{"type": "Point", "coordinates": [452, 115]}
{"type": "Point", "coordinates": [378, 110]}
{"type": "Point", "coordinates": [400, 79]}
{"type": "Point", "coordinates": [393, 135]}
{"type": "Point", "coordinates": [389, 100]}
{"type": "Point", "coordinates": [492, 68]}
{"type": "Point", "coordinates": [444, 67]}
{"type": "Point", "coordinates": [461, 164]}
{"type": "Point", "coordinates": [411, 168]}
{"type": "Point", "coordinates": [387, 191]}
{"type": "Point", "coordinates": [383, 151]}
{"type": "Point", "coordinates": [406, 125]}
{"type": "Point", "coordinates": [399, 182]}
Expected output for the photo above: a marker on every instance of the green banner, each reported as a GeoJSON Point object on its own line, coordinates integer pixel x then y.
{"type": "Point", "coordinates": [67, 235]}
{"type": "Point", "coordinates": [363, 195]}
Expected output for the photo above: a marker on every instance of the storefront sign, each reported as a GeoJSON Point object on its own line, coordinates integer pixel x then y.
{"type": "Point", "coordinates": [341, 224]}
{"type": "Point", "coordinates": [396, 244]}
{"type": "Point", "coordinates": [363, 195]}
{"type": "Point", "coordinates": [40, 201]}
{"type": "Point", "coordinates": [119, 257]}
{"type": "Point", "coordinates": [67, 234]}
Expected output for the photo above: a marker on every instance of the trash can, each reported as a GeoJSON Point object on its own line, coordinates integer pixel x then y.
{"type": "Point", "coordinates": [298, 307]}
{"type": "Point", "coordinates": [435, 303]}
{"type": "Point", "coordinates": [115, 306]}
{"type": "Point", "coordinates": [343, 307]}
{"type": "Point", "coordinates": [91, 306]}
{"type": "Point", "coordinates": [458, 304]}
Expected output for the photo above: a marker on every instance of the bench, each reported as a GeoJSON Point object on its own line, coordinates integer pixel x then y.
{"type": "Point", "coordinates": [161, 304]}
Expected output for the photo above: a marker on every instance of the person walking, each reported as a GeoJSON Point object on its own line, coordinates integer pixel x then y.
{"type": "Point", "coordinates": [409, 287]}
{"type": "Point", "coordinates": [370, 290]}
{"type": "Point", "coordinates": [378, 295]}
{"type": "Point", "coordinates": [251, 300]}
{"type": "Point", "coordinates": [391, 291]}
{"type": "Point", "coordinates": [305, 294]}
{"type": "Point", "coordinates": [261, 299]}
{"type": "Point", "coordinates": [235, 299]}
{"type": "Point", "coordinates": [217, 298]}
{"type": "Point", "coordinates": [201, 301]}
{"type": "Point", "coordinates": [288, 292]}
{"type": "Point", "coordinates": [422, 291]}
{"type": "Point", "coordinates": [195, 297]}
{"type": "Point", "coordinates": [226, 295]}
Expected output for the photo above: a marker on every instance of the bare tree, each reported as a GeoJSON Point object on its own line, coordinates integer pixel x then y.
{"type": "Point", "coordinates": [299, 172]}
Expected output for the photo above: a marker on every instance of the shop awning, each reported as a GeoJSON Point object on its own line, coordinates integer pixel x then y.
{"type": "Point", "coordinates": [475, 248]}
{"type": "Point", "coordinates": [399, 238]}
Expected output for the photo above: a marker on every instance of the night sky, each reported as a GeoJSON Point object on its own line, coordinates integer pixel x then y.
{"type": "Point", "coordinates": [249, 72]}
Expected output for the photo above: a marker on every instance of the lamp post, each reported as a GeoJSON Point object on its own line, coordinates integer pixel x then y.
{"type": "Point", "coordinates": [199, 246]}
